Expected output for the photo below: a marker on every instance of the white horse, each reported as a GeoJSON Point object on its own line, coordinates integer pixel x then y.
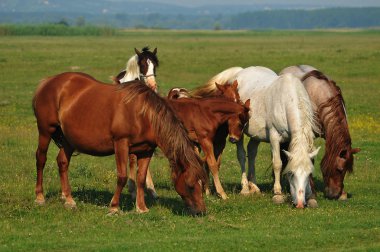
{"type": "Point", "coordinates": [141, 66]}
{"type": "Point", "coordinates": [281, 111]}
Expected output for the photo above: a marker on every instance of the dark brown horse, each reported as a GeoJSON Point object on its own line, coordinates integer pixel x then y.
{"type": "Point", "coordinates": [123, 119]}
{"type": "Point", "coordinates": [209, 121]}
{"type": "Point", "coordinates": [331, 113]}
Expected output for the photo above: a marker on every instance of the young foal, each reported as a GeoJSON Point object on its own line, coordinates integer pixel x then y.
{"type": "Point", "coordinates": [329, 107]}
{"type": "Point", "coordinates": [127, 119]}
{"type": "Point", "coordinates": [208, 122]}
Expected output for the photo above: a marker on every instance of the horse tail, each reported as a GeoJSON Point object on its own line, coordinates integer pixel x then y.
{"type": "Point", "coordinates": [209, 88]}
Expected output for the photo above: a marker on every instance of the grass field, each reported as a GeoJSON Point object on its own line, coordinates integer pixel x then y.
{"type": "Point", "coordinates": [188, 59]}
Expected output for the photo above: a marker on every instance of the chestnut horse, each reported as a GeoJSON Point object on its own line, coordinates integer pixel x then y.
{"type": "Point", "coordinates": [125, 119]}
{"type": "Point", "coordinates": [141, 66]}
{"type": "Point", "coordinates": [208, 122]}
{"type": "Point", "coordinates": [330, 109]}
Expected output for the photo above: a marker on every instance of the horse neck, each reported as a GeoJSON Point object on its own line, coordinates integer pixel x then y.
{"type": "Point", "coordinates": [300, 146]}
{"type": "Point", "coordinates": [132, 70]}
{"type": "Point", "coordinates": [335, 128]}
{"type": "Point", "coordinates": [224, 108]}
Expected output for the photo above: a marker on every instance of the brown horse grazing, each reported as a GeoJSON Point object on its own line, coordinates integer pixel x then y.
{"type": "Point", "coordinates": [330, 109]}
{"type": "Point", "coordinates": [208, 122]}
{"type": "Point", "coordinates": [124, 119]}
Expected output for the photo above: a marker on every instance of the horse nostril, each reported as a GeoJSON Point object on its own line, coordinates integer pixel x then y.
{"type": "Point", "coordinates": [233, 140]}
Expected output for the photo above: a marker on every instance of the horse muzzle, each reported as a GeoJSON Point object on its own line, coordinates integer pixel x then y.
{"type": "Point", "coordinates": [233, 140]}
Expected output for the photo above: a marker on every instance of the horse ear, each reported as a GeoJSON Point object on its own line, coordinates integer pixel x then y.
{"type": "Point", "coordinates": [155, 51]}
{"type": "Point", "coordinates": [219, 87]}
{"type": "Point", "coordinates": [235, 84]}
{"type": "Point", "coordinates": [355, 150]}
{"type": "Point", "coordinates": [247, 104]}
{"type": "Point", "coordinates": [314, 153]}
{"type": "Point", "coordinates": [137, 52]}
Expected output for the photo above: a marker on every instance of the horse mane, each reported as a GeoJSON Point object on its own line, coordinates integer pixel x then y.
{"type": "Point", "coordinates": [133, 68]}
{"type": "Point", "coordinates": [171, 135]}
{"type": "Point", "coordinates": [302, 142]}
{"type": "Point", "coordinates": [336, 134]}
{"type": "Point", "coordinates": [209, 88]}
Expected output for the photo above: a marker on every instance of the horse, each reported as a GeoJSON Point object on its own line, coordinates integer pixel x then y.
{"type": "Point", "coordinates": [208, 122]}
{"type": "Point", "coordinates": [281, 112]}
{"type": "Point", "coordinates": [143, 66]}
{"type": "Point", "coordinates": [125, 119]}
{"type": "Point", "coordinates": [330, 110]}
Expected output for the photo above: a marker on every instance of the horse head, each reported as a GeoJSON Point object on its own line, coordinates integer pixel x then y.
{"type": "Point", "coordinates": [189, 186]}
{"type": "Point", "coordinates": [298, 171]}
{"type": "Point", "coordinates": [333, 177]}
{"type": "Point", "coordinates": [229, 91]}
{"type": "Point", "coordinates": [143, 66]}
{"type": "Point", "coordinates": [147, 62]}
{"type": "Point", "coordinates": [237, 122]}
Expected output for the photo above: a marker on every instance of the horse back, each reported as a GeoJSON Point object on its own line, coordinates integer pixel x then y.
{"type": "Point", "coordinates": [90, 114]}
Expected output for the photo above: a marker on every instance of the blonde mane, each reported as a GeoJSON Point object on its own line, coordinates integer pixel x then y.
{"type": "Point", "coordinates": [132, 69]}
{"type": "Point", "coordinates": [302, 141]}
{"type": "Point", "coordinates": [209, 88]}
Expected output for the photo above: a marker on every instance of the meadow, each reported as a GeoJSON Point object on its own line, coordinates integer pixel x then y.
{"type": "Point", "coordinates": [187, 59]}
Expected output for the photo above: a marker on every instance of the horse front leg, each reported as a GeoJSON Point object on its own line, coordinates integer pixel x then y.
{"type": "Point", "coordinates": [252, 153]}
{"type": "Point", "coordinates": [278, 198]}
{"type": "Point", "coordinates": [121, 155]}
{"type": "Point", "coordinates": [208, 149]}
{"type": "Point", "coordinates": [143, 163]}
{"type": "Point", "coordinates": [132, 179]}
{"type": "Point", "coordinates": [63, 161]}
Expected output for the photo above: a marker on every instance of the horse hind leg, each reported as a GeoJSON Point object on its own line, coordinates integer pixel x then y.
{"type": "Point", "coordinates": [41, 152]}
{"type": "Point", "coordinates": [241, 154]}
{"type": "Point", "coordinates": [63, 161]}
{"type": "Point", "coordinates": [252, 152]}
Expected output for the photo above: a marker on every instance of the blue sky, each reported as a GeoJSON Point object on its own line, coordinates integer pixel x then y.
{"type": "Point", "coordinates": [291, 3]}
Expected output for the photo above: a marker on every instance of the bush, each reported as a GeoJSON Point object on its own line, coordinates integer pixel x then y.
{"type": "Point", "coordinates": [55, 30]}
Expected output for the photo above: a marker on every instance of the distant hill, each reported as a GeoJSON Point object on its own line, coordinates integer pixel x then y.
{"type": "Point", "coordinates": [131, 14]}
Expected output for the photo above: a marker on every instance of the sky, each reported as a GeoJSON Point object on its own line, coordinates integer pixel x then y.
{"type": "Point", "coordinates": [341, 3]}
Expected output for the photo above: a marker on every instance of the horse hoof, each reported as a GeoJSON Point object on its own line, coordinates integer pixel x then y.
{"type": "Point", "coordinates": [245, 191]}
{"type": "Point", "coordinates": [224, 196]}
{"type": "Point", "coordinates": [70, 205]}
{"type": "Point", "coordinates": [141, 211]}
{"type": "Point", "coordinates": [253, 188]}
{"type": "Point", "coordinates": [40, 202]}
{"type": "Point", "coordinates": [343, 196]}
{"type": "Point", "coordinates": [278, 199]}
{"type": "Point", "coordinates": [63, 198]}
{"type": "Point", "coordinates": [207, 192]}
{"type": "Point", "coordinates": [153, 194]}
{"type": "Point", "coordinates": [312, 203]}
{"type": "Point", "coordinates": [113, 211]}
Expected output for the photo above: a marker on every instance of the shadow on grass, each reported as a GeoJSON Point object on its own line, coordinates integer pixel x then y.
{"type": "Point", "coordinates": [103, 198]}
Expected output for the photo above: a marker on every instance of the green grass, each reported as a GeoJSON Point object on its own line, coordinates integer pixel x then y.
{"type": "Point", "coordinates": [187, 60]}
